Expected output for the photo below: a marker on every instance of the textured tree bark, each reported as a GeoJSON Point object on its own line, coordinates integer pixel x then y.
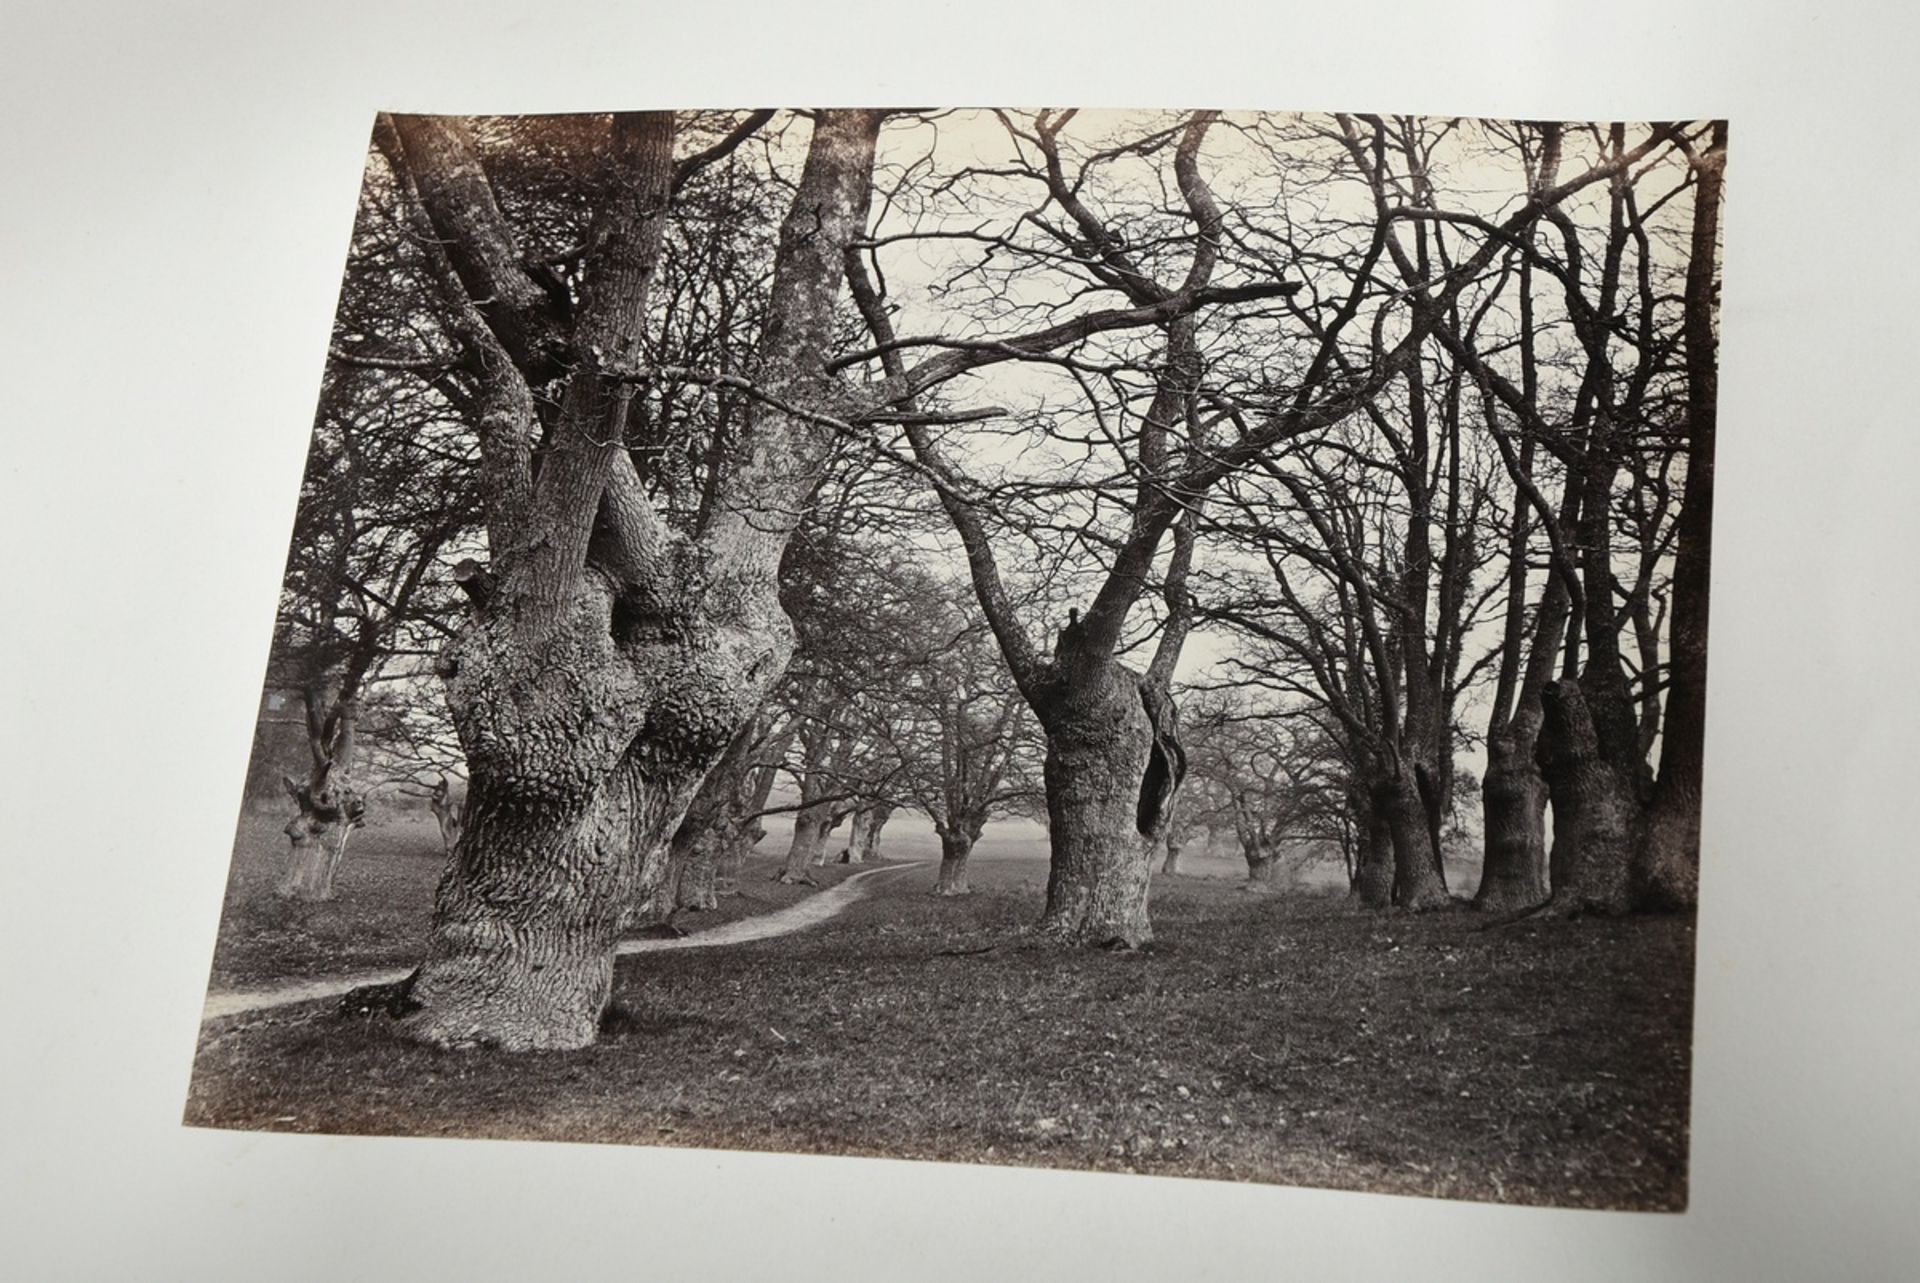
{"type": "Point", "coordinates": [1595, 809]}
{"type": "Point", "coordinates": [1172, 862]}
{"type": "Point", "coordinates": [1667, 871]}
{"type": "Point", "coordinates": [1589, 748]}
{"type": "Point", "coordinates": [856, 837]}
{"type": "Point", "coordinates": [1113, 766]}
{"type": "Point", "coordinates": [567, 802]}
{"type": "Point", "coordinates": [1514, 796]}
{"type": "Point", "coordinates": [870, 853]}
{"type": "Point", "coordinates": [1419, 884]}
{"type": "Point", "coordinates": [956, 845]}
{"type": "Point", "coordinates": [1373, 870]}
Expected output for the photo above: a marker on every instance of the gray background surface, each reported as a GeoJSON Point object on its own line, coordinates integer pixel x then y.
{"type": "Point", "coordinates": [180, 182]}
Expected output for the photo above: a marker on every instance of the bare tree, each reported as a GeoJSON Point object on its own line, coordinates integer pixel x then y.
{"type": "Point", "coordinates": [1279, 782]}
{"type": "Point", "coordinates": [1114, 761]}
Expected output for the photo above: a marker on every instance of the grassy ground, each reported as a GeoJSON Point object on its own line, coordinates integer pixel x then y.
{"type": "Point", "coordinates": [1264, 1037]}
{"type": "Point", "coordinates": [383, 902]}
{"type": "Point", "coordinates": [378, 918]}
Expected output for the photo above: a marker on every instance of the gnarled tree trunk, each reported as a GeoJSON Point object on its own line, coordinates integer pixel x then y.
{"type": "Point", "coordinates": [1263, 862]}
{"type": "Point", "coordinates": [1595, 810]}
{"type": "Point", "coordinates": [1514, 793]}
{"type": "Point", "coordinates": [567, 801]}
{"type": "Point", "coordinates": [836, 816]}
{"type": "Point", "coordinates": [329, 808]}
{"type": "Point", "coordinates": [1171, 864]}
{"type": "Point", "coordinates": [694, 888]}
{"type": "Point", "coordinates": [733, 858]}
{"type": "Point", "coordinates": [1113, 765]}
{"type": "Point", "coordinates": [1514, 797]}
{"type": "Point", "coordinates": [811, 824]}
{"type": "Point", "coordinates": [318, 838]}
{"type": "Point", "coordinates": [1667, 867]}
{"type": "Point", "coordinates": [956, 844]}
{"type": "Point", "coordinates": [1373, 864]}
{"type": "Point", "coordinates": [1418, 882]}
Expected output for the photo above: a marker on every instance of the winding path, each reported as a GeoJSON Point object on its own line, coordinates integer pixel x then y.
{"type": "Point", "coordinates": [811, 911]}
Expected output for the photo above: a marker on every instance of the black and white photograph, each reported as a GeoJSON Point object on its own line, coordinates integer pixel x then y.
{"type": "Point", "coordinates": [1167, 642]}
{"type": "Point", "coordinates": [958, 641]}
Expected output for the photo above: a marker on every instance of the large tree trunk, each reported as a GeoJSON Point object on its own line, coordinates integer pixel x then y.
{"type": "Point", "coordinates": [856, 837]}
{"type": "Point", "coordinates": [1589, 748]}
{"type": "Point", "coordinates": [956, 844]}
{"type": "Point", "coordinates": [522, 948]}
{"type": "Point", "coordinates": [1668, 872]}
{"type": "Point", "coordinates": [1113, 765]}
{"type": "Point", "coordinates": [1373, 869]}
{"type": "Point", "coordinates": [826, 833]}
{"type": "Point", "coordinates": [567, 804]}
{"type": "Point", "coordinates": [1595, 809]}
{"type": "Point", "coordinates": [1418, 881]}
{"type": "Point", "coordinates": [1514, 794]}
{"type": "Point", "coordinates": [835, 818]}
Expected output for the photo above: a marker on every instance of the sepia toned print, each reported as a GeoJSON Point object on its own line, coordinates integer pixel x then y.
{"type": "Point", "coordinates": [1156, 641]}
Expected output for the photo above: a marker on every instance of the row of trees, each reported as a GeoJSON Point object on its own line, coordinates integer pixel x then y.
{"type": "Point", "coordinates": [1406, 417]}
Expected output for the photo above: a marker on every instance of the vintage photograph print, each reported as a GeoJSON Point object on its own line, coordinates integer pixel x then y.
{"type": "Point", "coordinates": [1141, 641]}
